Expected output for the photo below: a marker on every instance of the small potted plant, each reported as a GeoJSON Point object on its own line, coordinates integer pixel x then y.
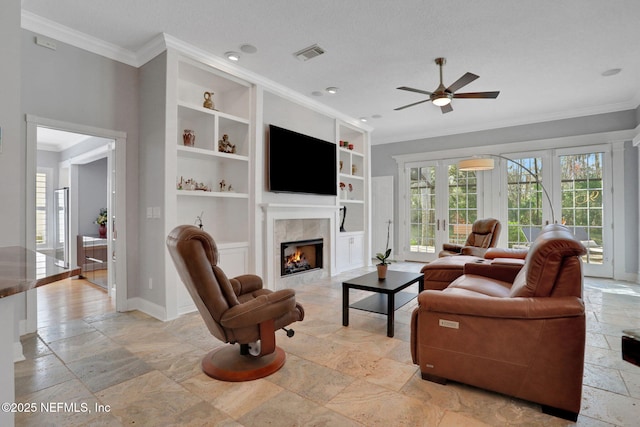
{"type": "Point", "coordinates": [102, 223]}
{"type": "Point", "coordinates": [384, 258]}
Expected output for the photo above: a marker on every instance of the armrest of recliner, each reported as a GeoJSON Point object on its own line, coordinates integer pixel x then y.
{"type": "Point", "coordinates": [509, 308]}
{"type": "Point", "coordinates": [451, 247]}
{"type": "Point", "coordinates": [505, 272]}
{"type": "Point", "coordinates": [259, 309]}
{"type": "Point", "coordinates": [248, 283]}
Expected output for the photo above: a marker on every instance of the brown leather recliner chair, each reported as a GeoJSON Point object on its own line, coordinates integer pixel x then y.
{"type": "Point", "coordinates": [484, 235]}
{"type": "Point", "coordinates": [235, 310]}
{"type": "Point", "coordinates": [523, 337]}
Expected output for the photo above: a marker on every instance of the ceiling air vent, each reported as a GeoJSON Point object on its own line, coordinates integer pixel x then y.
{"type": "Point", "coordinates": [309, 52]}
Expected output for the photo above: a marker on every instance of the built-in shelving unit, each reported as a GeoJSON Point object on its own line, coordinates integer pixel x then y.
{"type": "Point", "coordinates": [221, 175]}
{"type": "Point", "coordinates": [353, 176]}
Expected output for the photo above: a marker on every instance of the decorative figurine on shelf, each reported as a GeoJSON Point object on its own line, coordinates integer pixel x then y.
{"type": "Point", "coordinates": [341, 163]}
{"type": "Point", "coordinates": [344, 216]}
{"type": "Point", "coordinates": [208, 101]}
{"type": "Point", "coordinates": [199, 221]}
{"type": "Point", "coordinates": [231, 189]}
{"type": "Point", "coordinates": [225, 146]}
{"type": "Point", "coordinates": [189, 138]}
{"type": "Point", "coordinates": [342, 190]}
{"type": "Point", "coordinates": [223, 185]}
{"type": "Point", "coordinates": [354, 169]}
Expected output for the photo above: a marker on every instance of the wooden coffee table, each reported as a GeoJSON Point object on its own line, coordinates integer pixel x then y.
{"type": "Point", "coordinates": [388, 297]}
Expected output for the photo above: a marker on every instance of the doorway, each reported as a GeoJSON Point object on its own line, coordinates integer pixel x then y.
{"type": "Point", "coordinates": [82, 151]}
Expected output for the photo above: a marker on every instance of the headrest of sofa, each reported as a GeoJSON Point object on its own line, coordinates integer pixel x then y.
{"type": "Point", "coordinates": [546, 258]}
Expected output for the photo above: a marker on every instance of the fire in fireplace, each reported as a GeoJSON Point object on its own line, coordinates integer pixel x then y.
{"type": "Point", "coordinates": [300, 256]}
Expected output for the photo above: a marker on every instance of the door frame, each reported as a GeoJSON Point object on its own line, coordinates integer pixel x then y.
{"type": "Point", "coordinates": [120, 138]}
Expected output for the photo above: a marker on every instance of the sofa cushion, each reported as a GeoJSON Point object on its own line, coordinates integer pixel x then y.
{"type": "Point", "coordinates": [479, 285]}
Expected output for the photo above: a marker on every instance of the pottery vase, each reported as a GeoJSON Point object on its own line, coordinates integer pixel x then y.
{"type": "Point", "coordinates": [189, 138]}
{"type": "Point", "coordinates": [382, 271]}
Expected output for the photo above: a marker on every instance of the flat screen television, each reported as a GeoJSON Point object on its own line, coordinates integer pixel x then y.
{"type": "Point", "coordinates": [300, 163]}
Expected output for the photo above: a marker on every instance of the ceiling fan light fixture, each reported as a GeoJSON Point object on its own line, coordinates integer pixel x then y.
{"type": "Point", "coordinates": [441, 100]}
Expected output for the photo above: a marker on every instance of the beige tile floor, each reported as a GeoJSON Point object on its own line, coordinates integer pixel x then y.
{"type": "Point", "coordinates": [121, 369]}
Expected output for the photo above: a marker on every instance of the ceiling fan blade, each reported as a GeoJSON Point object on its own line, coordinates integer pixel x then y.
{"type": "Point", "coordinates": [477, 95]}
{"type": "Point", "coordinates": [446, 108]}
{"type": "Point", "coordinates": [461, 82]}
{"type": "Point", "coordinates": [410, 89]}
{"type": "Point", "coordinates": [411, 105]}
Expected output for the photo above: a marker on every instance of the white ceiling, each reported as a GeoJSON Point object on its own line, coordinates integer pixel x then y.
{"type": "Point", "coordinates": [546, 57]}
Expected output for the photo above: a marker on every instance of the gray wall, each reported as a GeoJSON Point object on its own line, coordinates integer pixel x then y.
{"type": "Point", "coordinates": [79, 87]}
{"type": "Point", "coordinates": [12, 156]}
{"type": "Point", "coordinates": [92, 194]}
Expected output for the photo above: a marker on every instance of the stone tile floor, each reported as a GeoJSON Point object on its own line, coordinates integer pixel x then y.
{"type": "Point", "coordinates": [147, 372]}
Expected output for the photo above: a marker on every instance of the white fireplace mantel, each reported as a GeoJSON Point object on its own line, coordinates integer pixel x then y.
{"type": "Point", "coordinates": [273, 212]}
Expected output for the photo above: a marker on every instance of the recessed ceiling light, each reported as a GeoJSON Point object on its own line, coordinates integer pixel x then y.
{"type": "Point", "coordinates": [232, 56]}
{"type": "Point", "coordinates": [332, 90]}
{"type": "Point", "coordinates": [316, 93]}
{"type": "Point", "coordinates": [248, 48]}
{"type": "Point", "coordinates": [611, 72]}
{"type": "Point", "coordinates": [363, 119]}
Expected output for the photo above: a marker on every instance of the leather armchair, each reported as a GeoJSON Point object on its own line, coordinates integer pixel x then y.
{"type": "Point", "coordinates": [484, 234]}
{"type": "Point", "coordinates": [236, 311]}
{"type": "Point", "coordinates": [522, 336]}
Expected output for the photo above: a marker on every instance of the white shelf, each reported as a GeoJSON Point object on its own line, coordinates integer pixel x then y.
{"type": "Point", "coordinates": [347, 176]}
{"type": "Point", "coordinates": [223, 194]}
{"type": "Point", "coordinates": [198, 153]}
{"type": "Point", "coordinates": [200, 109]}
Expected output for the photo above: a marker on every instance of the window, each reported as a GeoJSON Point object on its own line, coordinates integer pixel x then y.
{"type": "Point", "coordinates": [41, 209]}
{"type": "Point", "coordinates": [524, 201]}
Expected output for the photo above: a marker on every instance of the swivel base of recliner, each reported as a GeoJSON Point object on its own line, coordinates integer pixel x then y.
{"type": "Point", "coordinates": [227, 364]}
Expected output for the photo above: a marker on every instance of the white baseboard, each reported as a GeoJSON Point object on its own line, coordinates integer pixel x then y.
{"type": "Point", "coordinates": [185, 309]}
{"type": "Point", "coordinates": [18, 354]}
{"type": "Point", "coordinates": [147, 307]}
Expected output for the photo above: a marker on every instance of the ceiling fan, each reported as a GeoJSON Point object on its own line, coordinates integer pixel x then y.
{"type": "Point", "coordinates": [442, 96]}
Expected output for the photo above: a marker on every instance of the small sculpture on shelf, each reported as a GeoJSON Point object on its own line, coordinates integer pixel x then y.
{"type": "Point", "coordinates": [199, 220]}
{"type": "Point", "coordinates": [208, 101]}
{"type": "Point", "coordinates": [223, 185]}
{"type": "Point", "coordinates": [191, 185]}
{"type": "Point", "coordinates": [225, 146]}
{"type": "Point", "coordinates": [342, 190]}
{"type": "Point", "coordinates": [354, 169]}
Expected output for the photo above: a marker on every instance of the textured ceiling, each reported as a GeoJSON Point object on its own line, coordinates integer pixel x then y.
{"type": "Point", "coordinates": [545, 57]}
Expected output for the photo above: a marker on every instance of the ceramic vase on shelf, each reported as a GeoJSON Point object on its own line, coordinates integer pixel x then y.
{"type": "Point", "coordinates": [189, 138]}
{"type": "Point", "coordinates": [102, 231]}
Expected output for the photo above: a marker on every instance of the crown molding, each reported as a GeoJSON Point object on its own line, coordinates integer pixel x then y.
{"type": "Point", "coordinates": [222, 64]}
{"type": "Point", "coordinates": [48, 28]}
{"type": "Point", "coordinates": [542, 118]}
{"type": "Point", "coordinates": [162, 42]}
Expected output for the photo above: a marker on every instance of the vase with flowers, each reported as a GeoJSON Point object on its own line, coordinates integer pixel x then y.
{"type": "Point", "coordinates": [102, 223]}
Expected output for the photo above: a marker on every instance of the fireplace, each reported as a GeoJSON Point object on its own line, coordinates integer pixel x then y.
{"type": "Point", "coordinates": [300, 256]}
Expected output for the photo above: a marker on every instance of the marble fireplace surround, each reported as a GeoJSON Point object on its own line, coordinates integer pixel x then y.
{"type": "Point", "coordinates": [285, 222]}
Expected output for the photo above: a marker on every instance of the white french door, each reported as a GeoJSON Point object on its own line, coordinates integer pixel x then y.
{"type": "Point", "coordinates": [582, 181]}
{"type": "Point", "coordinates": [440, 207]}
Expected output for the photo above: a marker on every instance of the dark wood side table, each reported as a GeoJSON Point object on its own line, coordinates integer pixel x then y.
{"type": "Point", "coordinates": [387, 297]}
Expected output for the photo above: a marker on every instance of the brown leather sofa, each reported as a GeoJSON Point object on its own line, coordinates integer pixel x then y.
{"type": "Point", "coordinates": [236, 311]}
{"type": "Point", "coordinates": [522, 336]}
{"type": "Point", "coordinates": [484, 234]}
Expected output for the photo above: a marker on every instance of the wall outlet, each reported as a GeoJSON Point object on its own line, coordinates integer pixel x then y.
{"type": "Point", "coordinates": [150, 282]}
{"type": "Point", "coordinates": [449, 324]}
{"type": "Point", "coordinates": [49, 44]}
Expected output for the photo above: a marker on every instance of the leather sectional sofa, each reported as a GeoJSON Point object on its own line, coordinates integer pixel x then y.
{"type": "Point", "coordinates": [523, 336]}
